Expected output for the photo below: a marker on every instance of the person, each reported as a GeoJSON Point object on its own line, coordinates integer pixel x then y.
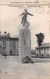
{"type": "Point", "coordinates": [24, 17]}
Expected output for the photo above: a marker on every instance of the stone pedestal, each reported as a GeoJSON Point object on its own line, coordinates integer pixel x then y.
{"type": "Point", "coordinates": [24, 43]}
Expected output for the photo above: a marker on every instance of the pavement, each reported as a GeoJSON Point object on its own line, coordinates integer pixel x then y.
{"type": "Point", "coordinates": [10, 68]}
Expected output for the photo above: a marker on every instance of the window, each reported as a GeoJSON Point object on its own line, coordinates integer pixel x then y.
{"type": "Point", "coordinates": [42, 54]}
{"type": "Point", "coordinates": [0, 46]}
{"type": "Point", "coordinates": [47, 48]}
{"type": "Point", "coordinates": [37, 54]}
{"type": "Point", "coordinates": [47, 55]}
{"type": "Point", "coordinates": [14, 45]}
{"type": "Point", "coordinates": [44, 49]}
{"type": "Point", "coordinates": [4, 45]}
{"type": "Point", "coordinates": [4, 42]}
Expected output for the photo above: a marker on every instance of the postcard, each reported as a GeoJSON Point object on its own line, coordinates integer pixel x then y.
{"type": "Point", "coordinates": [24, 39]}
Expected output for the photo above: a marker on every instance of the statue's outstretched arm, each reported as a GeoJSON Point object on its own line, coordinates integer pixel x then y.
{"type": "Point", "coordinates": [30, 14]}
{"type": "Point", "coordinates": [21, 14]}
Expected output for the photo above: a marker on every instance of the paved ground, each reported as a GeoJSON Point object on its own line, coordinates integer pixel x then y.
{"type": "Point", "coordinates": [11, 69]}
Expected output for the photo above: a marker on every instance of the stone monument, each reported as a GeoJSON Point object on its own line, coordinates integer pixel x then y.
{"type": "Point", "coordinates": [24, 39]}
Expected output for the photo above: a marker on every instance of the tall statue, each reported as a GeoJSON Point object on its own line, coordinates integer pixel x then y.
{"type": "Point", "coordinates": [24, 17]}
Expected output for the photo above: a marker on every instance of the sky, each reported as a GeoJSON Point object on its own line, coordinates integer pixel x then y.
{"type": "Point", "coordinates": [10, 21]}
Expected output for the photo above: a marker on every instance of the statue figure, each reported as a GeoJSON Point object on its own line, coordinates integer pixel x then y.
{"type": "Point", "coordinates": [24, 17]}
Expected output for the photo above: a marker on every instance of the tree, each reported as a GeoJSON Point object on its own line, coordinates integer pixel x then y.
{"type": "Point", "coordinates": [40, 38]}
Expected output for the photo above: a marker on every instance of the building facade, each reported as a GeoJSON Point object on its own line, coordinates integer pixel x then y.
{"type": "Point", "coordinates": [44, 50]}
{"type": "Point", "coordinates": [33, 53]}
{"type": "Point", "coordinates": [9, 45]}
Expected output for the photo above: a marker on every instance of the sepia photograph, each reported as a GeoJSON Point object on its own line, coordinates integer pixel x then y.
{"type": "Point", "coordinates": [24, 39]}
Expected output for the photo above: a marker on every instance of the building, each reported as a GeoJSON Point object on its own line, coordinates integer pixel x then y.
{"type": "Point", "coordinates": [9, 45]}
{"type": "Point", "coordinates": [33, 53]}
{"type": "Point", "coordinates": [44, 50]}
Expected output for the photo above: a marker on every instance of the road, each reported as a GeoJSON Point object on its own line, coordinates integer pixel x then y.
{"type": "Point", "coordinates": [11, 69]}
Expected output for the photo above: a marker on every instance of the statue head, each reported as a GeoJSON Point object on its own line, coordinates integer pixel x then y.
{"type": "Point", "coordinates": [25, 10]}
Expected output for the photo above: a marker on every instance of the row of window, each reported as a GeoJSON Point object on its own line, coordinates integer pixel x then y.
{"type": "Point", "coordinates": [4, 45]}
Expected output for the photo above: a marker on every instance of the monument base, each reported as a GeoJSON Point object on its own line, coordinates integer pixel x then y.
{"type": "Point", "coordinates": [24, 43]}
{"type": "Point", "coordinates": [27, 60]}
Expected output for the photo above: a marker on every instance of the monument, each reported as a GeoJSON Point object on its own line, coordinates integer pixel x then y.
{"type": "Point", "coordinates": [24, 39]}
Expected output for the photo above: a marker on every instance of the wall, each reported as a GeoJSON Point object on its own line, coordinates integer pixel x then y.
{"type": "Point", "coordinates": [8, 46]}
{"type": "Point", "coordinates": [44, 51]}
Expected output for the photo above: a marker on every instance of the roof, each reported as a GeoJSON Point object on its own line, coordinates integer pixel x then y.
{"type": "Point", "coordinates": [33, 51]}
{"type": "Point", "coordinates": [14, 38]}
{"type": "Point", "coordinates": [44, 45]}
{"type": "Point", "coordinates": [6, 37]}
